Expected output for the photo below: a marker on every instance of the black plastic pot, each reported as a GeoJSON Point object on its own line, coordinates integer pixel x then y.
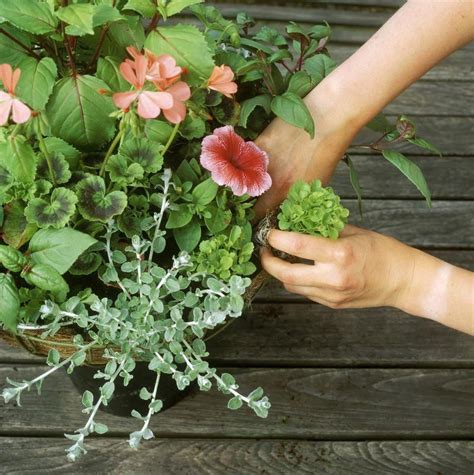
{"type": "Point", "coordinates": [126, 398]}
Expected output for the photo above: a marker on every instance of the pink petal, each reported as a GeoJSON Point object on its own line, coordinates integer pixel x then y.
{"type": "Point", "coordinates": [129, 73]}
{"type": "Point", "coordinates": [151, 103]}
{"type": "Point", "coordinates": [225, 88]}
{"type": "Point", "coordinates": [177, 113]}
{"type": "Point", "coordinates": [123, 100]}
{"type": "Point", "coordinates": [180, 91]}
{"type": "Point", "coordinates": [169, 67]}
{"type": "Point", "coordinates": [141, 67]}
{"type": "Point", "coordinates": [259, 185]}
{"type": "Point", "coordinates": [133, 52]}
{"type": "Point", "coordinates": [252, 156]}
{"type": "Point", "coordinates": [15, 79]}
{"type": "Point", "coordinates": [5, 107]}
{"type": "Point", "coordinates": [21, 112]}
{"type": "Point", "coordinates": [6, 76]}
{"type": "Point", "coordinates": [222, 75]}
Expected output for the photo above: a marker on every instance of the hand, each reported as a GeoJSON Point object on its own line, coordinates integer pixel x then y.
{"type": "Point", "coordinates": [294, 155]}
{"type": "Point", "coordinates": [361, 269]}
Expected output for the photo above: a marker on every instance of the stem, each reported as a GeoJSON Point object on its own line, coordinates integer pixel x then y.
{"type": "Point", "coordinates": [45, 152]}
{"type": "Point", "coordinates": [171, 139]}
{"type": "Point", "coordinates": [100, 43]}
{"type": "Point", "coordinates": [110, 151]}
{"type": "Point", "coordinates": [153, 399]}
{"type": "Point", "coordinates": [19, 43]}
{"type": "Point", "coordinates": [154, 21]}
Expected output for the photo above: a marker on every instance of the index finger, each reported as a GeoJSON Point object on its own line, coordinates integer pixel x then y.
{"type": "Point", "coordinates": [314, 248]}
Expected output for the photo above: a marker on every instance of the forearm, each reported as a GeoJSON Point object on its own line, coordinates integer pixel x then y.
{"type": "Point", "coordinates": [438, 291]}
{"type": "Point", "coordinates": [416, 38]}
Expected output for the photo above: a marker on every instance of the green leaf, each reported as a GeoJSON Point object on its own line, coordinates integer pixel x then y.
{"type": "Point", "coordinates": [79, 18]}
{"type": "Point", "coordinates": [234, 403]}
{"type": "Point", "coordinates": [78, 114]}
{"type": "Point", "coordinates": [54, 211]}
{"type": "Point", "coordinates": [86, 264]}
{"type": "Point", "coordinates": [354, 177]}
{"type": "Point", "coordinates": [59, 248]}
{"type": "Point", "coordinates": [100, 428]}
{"type": "Point", "coordinates": [16, 230]}
{"type": "Point", "coordinates": [37, 82]}
{"type": "Point", "coordinates": [188, 237]}
{"type": "Point", "coordinates": [53, 357]}
{"type": "Point", "coordinates": [30, 15]}
{"type": "Point", "coordinates": [424, 144]}
{"type": "Point", "coordinates": [56, 146]}
{"type": "Point", "coordinates": [192, 127]}
{"type": "Point", "coordinates": [109, 72]}
{"type": "Point", "coordinates": [219, 219]}
{"type": "Point", "coordinates": [179, 218]}
{"type": "Point", "coordinates": [293, 110]}
{"type": "Point", "coordinates": [158, 131]}
{"type": "Point", "coordinates": [144, 152]}
{"type": "Point", "coordinates": [205, 192]}
{"type": "Point", "coordinates": [104, 14]}
{"type": "Point", "coordinates": [123, 34]}
{"type": "Point", "coordinates": [319, 66]}
{"type": "Point", "coordinates": [59, 169]}
{"type": "Point", "coordinates": [318, 32]}
{"type": "Point", "coordinates": [173, 7]}
{"type": "Point", "coordinates": [187, 45]}
{"type": "Point", "coordinates": [410, 170]}
{"type": "Point", "coordinates": [123, 172]}
{"type": "Point", "coordinates": [145, 8]}
{"type": "Point", "coordinates": [46, 277]}
{"type": "Point", "coordinates": [11, 52]}
{"type": "Point", "coordinates": [301, 83]}
{"type": "Point", "coordinates": [19, 158]}
{"type": "Point", "coordinates": [247, 107]}
{"type": "Point", "coordinates": [9, 302]}
{"type": "Point", "coordinates": [97, 205]}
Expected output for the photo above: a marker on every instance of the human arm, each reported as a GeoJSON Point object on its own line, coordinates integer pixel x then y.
{"type": "Point", "coordinates": [411, 42]}
{"type": "Point", "coordinates": [366, 269]}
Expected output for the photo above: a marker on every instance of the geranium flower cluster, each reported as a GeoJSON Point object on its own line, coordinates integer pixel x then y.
{"type": "Point", "coordinates": [163, 74]}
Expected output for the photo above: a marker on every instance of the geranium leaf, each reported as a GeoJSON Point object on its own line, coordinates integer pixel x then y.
{"type": "Point", "coordinates": [122, 34]}
{"type": "Point", "coordinates": [144, 152]}
{"type": "Point", "coordinates": [187, 45]}
{"type": "Point", "coordinates": [30, 15]}
{"type": "Point", "coordinates": [97, 205]}
{"type": "Point", "coordinates": [59, 169]}
{"type": "Point", "coordinates": [146, 8]}
{"type": "Point", "coordinates": [86, 264]}
{"type": "Point", "coordinates": [19, 158]}
{"type": "Point", "coordinates": [410, 170]}
{"type": "Point", "coordinates": [79, 18]}
{"type": "Point", "coordinates": [188, 237]}
{"type": "Point", "coordinates": [55, 145]}
{"type": "Point", "coordinates": [9, 302]}
{"type": "Point", "coordinates": [122, 171]}
{"type": "Point", "coordinates": [16, 230]}
{"type": "Point", "coordinates": [293, 110]}
{"type": "Point", "coordinates": [78, 114]}
{"type": "Point", "coordinates": [37, 82]}
{"type": "Point", "coordinates": [158, 131]}
{"type": "Point", "coordinates": [55, 211]}
{"type": "Point", "coordinates": [105, 14]}
{"type": "Point", "coordinates": [59, 248]}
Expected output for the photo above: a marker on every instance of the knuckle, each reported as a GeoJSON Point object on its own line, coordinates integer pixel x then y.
{"type": "Point", "coordinates": [344, 253]}
{"type": "Point", "coordinates": [297, 245]}
{"type": "Point", "coordinates": [343, 281]}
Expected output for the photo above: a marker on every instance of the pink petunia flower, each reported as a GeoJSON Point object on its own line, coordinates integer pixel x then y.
{"type": "Point", "coordinates": [8, 101]}
{"type": "Point", "coordinates": [221, 80]}
{"type": "Point", "coordinates": [150, 103]}
{"type": "Point", "coordinates": [181, 93]}
{"type": "Point", "coordinates": [233, 162]}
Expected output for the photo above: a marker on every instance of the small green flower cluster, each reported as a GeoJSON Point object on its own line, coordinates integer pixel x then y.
{"type": "Point", "coordinates": [313, 209]}
{"type": "Point", "coordinates": [225, 255]}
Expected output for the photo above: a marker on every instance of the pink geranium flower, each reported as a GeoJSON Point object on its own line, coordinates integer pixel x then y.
{"type": "Point", "coordinates": [8, 101]}
{"type": "Point", "coordinates": [221, 80]}
{"type": "Point", "coordinates": [233, 162]}
{"type": "Point", "coordinates": [181, 93]}
{"type": "Point", "coordinates": [150, 103]}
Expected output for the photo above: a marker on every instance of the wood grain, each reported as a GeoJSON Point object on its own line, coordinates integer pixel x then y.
{"type": "Point", "coordinates": [319, 404]}
{"type": "Point", "coordinates": [250, 457]}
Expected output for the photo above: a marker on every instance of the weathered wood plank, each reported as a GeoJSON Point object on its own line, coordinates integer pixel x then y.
{"type": "Point", "coordinates": [416, 224]}
{"type": "Point", "coordinates": [458, 66]}
{"type": "Point", "coordinates": [369, 5]}
{"type": "Point", "coordinates": [447, 177]}
{"type": "Point", "coordinates": [317, 404]}
{"type": "Point", "coordinates": [230, 456]}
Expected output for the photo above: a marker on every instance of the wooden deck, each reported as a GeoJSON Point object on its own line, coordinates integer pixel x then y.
{"type": "Point", "coordinates": [353, 391]}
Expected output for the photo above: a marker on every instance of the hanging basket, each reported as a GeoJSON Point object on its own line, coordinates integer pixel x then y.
{"type": "Point", "coordinates": [62, 341]}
